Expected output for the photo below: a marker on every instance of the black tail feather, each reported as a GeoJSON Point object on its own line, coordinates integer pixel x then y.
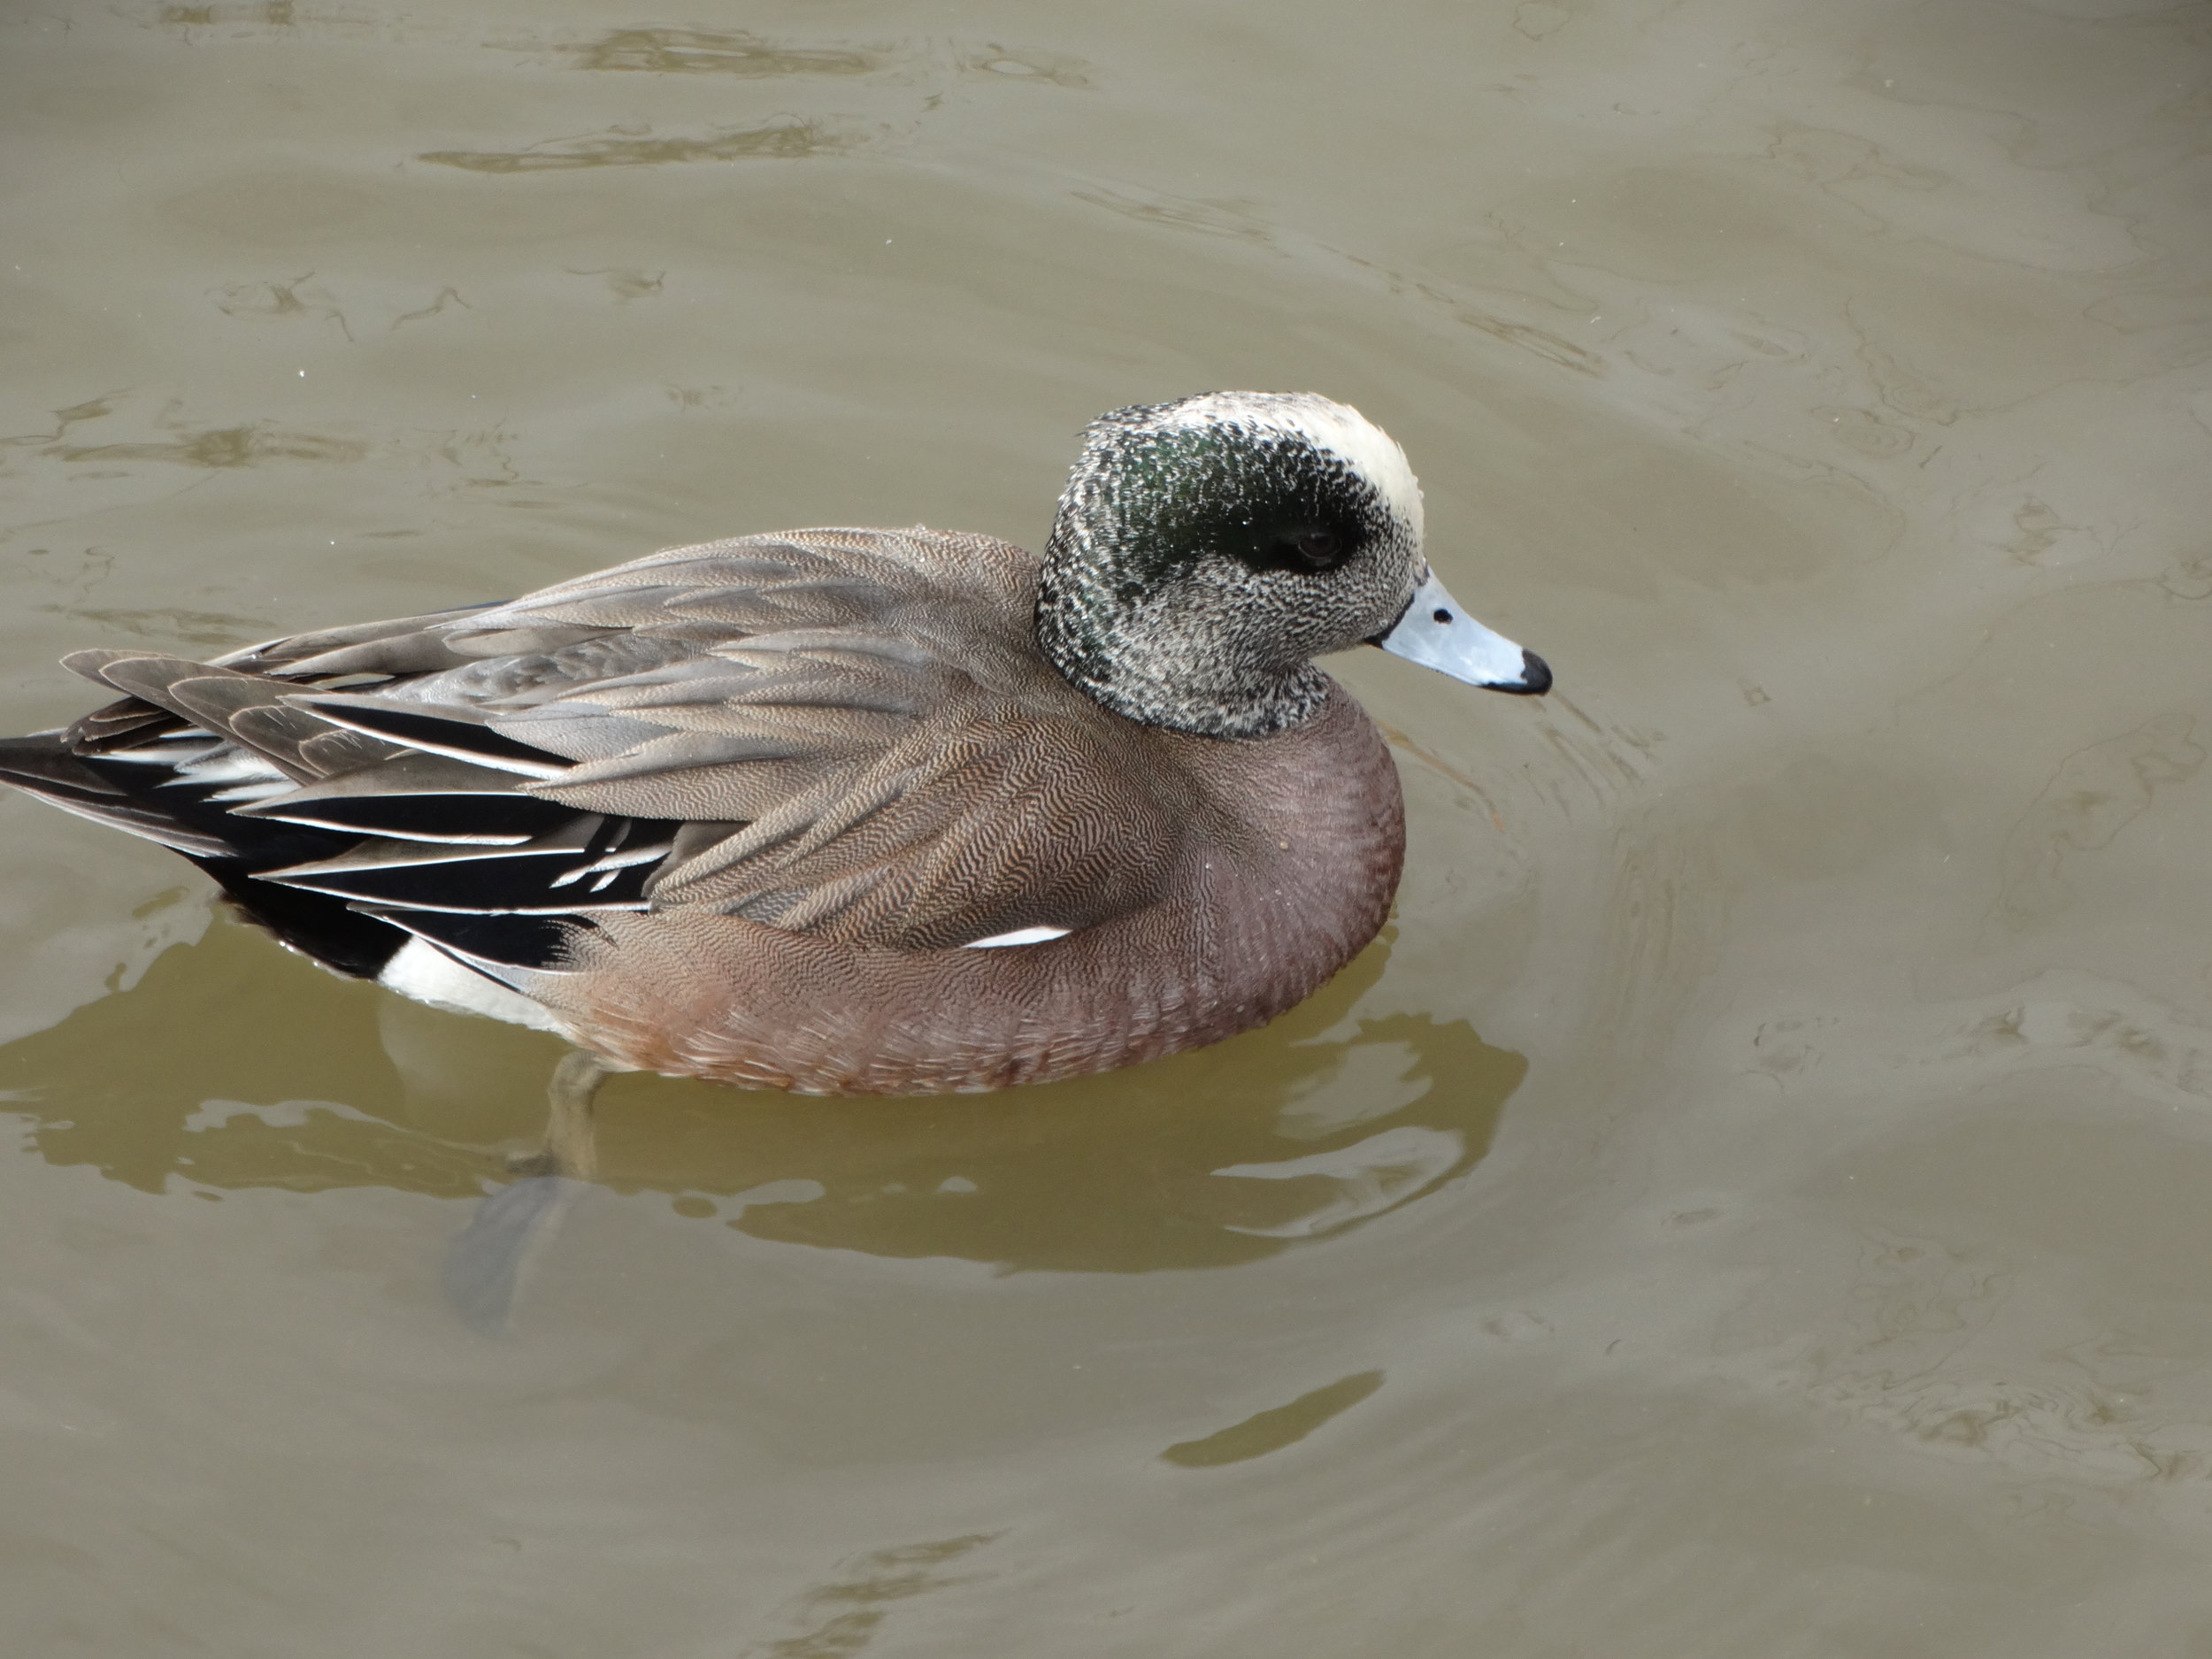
{"type": "Point", "coordinates": [131, 764]}
{"type": "Point", "coordinates": [146, 800]}
{"type": "Point", "coordinates": [45, 764]}
{"type": "Point", "coordinates": [329, 930]}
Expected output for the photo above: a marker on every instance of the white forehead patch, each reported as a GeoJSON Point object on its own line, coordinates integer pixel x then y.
{"type": "Point", "coordinates": [1336, 428]}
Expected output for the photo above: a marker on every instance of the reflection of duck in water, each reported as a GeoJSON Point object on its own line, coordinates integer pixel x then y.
{"type": "Point", "coordinates": [843, 812]}
{"type": "Point", "coordinates": [1225, 1154]}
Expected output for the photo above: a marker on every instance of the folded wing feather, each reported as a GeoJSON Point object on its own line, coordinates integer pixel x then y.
{"type": "Point", "coordinates": [832, 732]}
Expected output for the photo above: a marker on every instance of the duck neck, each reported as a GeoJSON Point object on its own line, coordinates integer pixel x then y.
{"type": "Point", "coordinates": [1150, 659]}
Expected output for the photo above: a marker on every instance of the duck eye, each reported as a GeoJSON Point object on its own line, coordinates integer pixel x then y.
{"type": "Point", "coordinates": [1303, 550]}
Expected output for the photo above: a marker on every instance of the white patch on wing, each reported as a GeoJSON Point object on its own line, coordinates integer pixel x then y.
{"type": "Point", "coordinates": [229, 765]}
{"type": "Point", "coordinates": [250, 776]}
{"type": "Point", "coordinates": [251, 793]}
{"type": "Point", "coordinates": [1019, 936]}
{"type": "Point", "coordinates": [422, 971]}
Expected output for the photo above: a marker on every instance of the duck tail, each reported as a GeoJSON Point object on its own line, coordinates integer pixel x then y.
{"type": "Point", "coordinates": [47, 765]}
{"type": "Point", "coordinates": [148, 798]}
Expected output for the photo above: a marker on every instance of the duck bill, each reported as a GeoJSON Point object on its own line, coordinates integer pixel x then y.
{"type": "Point", "coordinates": [1436, 633]}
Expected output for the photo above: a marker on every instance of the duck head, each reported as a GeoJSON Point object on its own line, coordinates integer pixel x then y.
{"type": "Point", "coordinates": [1207, 550]}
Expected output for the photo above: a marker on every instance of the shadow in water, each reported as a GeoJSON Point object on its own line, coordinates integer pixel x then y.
{"type": "Point", "coordinates": [232, 1064]}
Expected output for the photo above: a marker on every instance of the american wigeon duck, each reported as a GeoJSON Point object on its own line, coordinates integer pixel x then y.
{"type": "Point", "coordinates": [844, 811]}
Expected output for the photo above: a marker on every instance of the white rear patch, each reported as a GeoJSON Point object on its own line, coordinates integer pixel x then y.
{"type": "Point", "coordinates": [1019, 936]}
{"type": "Point", "coordinates": [422, 971]}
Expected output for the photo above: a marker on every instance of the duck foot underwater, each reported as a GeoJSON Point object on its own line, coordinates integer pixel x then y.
{"type": "Point", "coordinates": [489, 1263]}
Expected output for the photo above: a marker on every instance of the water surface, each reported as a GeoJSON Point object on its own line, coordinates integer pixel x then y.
{"type": "Point", "coordinates": [1756, 1200]}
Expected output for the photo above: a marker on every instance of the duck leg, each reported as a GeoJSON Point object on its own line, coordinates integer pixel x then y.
{"type": "Point", "coordinates": [488, 1265]}
{"type": "Point", "coordinates": [572, 1144]}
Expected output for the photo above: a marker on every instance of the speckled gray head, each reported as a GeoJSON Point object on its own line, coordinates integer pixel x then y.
{"type": "Point", "coordinates": [1207, 550]}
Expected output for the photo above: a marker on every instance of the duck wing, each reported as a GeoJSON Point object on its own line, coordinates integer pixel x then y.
{"type": "Point", "coordinates": [845, 732]}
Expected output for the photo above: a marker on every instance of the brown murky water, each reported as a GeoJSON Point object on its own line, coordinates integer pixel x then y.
{"type": "Point", "coordinates": [1757, 1200]}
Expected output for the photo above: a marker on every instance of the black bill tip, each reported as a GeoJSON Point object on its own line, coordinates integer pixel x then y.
{"type": "Point", "coordinates": [1535, 677]}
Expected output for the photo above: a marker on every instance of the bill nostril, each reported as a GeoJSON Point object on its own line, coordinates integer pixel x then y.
{"type": "Point", "coordinates": [1441, 614]}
